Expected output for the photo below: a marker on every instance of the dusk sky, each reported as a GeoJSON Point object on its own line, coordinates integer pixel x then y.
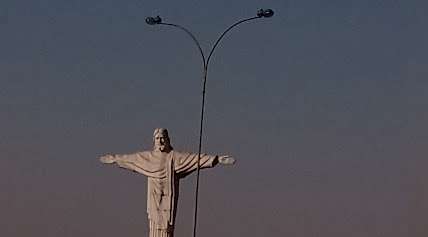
{"type": "Point", "coordinates": [324, 105]}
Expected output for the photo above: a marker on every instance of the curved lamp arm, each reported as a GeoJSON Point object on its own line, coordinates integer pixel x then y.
{"type": "Point", "coordinates": [224, 33]}
{"type": "Point", "coordinates": [260, 13]}
{"type": "Point", "coordinates": [191, 35]}
{"type": "Point", "coordinates": [158, 21]}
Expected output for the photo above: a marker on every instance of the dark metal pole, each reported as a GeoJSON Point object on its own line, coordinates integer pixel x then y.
{"type": "Point", "coordinates": [202, 116]}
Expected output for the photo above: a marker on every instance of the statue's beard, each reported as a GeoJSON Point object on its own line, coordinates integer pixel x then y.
{"type": "Point", "coordinates": [162, 148]}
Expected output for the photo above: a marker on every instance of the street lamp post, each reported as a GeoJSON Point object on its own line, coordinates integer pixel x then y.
{"type": "Point", "coordinates": [262, 13]}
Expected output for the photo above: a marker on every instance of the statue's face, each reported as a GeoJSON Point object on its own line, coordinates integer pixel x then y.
{"type": "Point", "coordinates": [161, 142]}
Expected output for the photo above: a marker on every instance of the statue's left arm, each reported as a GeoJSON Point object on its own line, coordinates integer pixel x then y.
{"type": "Point", "coordinates": [185, 163]}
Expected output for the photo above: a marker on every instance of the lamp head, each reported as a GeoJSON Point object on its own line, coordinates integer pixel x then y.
{"type": "Point", "coordinates": [153, 20]}
{"type": "Point", "coordinates": [265, 13]}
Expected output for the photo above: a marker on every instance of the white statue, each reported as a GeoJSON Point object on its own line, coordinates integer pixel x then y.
{"type": "Point", "coordinates": [164, 168]}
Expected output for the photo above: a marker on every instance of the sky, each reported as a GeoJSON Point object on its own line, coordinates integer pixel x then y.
{"type": "Point", "coordinates": [324, 106]}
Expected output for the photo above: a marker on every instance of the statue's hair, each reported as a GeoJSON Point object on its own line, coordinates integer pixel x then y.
{"type": "Point", "coordinates": [162, 131]}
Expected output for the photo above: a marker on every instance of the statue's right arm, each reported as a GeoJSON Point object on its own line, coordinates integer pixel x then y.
{"type": "Point", "coordinates": [127, 161]}
{"type": "Point", "coordinates": [110, 159]}
{"type": "Point", "coordinates": [137, 162]}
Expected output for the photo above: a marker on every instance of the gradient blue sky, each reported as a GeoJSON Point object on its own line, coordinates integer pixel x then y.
{"type": "Point", "coordinates": [324, 106]}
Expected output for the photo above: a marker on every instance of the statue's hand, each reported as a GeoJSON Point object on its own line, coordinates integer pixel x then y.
{"type": "Point", "coordinates": [226, 160]}
{"type": "Point", "coordinates": [107, 159]}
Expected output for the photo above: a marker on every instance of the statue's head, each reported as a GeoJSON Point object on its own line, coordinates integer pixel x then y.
{"type": "Point", "coordinates": [161, 140]}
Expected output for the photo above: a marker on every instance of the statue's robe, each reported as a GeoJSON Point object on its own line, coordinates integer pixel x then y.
{"type": "Point", "coordinates": [164, 171]}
